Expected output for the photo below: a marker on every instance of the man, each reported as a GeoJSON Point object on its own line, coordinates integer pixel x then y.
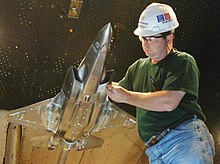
{"type": "Point", "coordinates": [164, 88]}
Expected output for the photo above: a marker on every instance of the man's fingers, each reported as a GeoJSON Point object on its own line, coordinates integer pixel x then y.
{"type": "Point", "coordinates": [109, 87]}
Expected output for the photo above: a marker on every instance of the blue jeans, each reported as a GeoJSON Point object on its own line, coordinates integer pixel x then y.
{"type": "Point", "coordinates": [188, 143]}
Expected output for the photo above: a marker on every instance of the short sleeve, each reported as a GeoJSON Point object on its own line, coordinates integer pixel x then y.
{"type": "Point", "coordinates": [127, 81]}
{"type": "Point", "coordinates": [183, 75]}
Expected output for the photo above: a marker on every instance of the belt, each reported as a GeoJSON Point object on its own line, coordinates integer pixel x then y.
{"type": "Point", "coordinates": [156, 138]}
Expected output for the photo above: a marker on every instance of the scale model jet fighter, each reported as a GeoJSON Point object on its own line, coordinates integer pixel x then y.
{"type": "Point", "coordinates": [81, 108]}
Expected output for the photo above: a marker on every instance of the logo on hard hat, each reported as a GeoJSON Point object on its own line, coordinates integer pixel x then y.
{"type": "Point", "coordinates": [141, 23]}
{"type": "Point", "coordinates": [163, 18]}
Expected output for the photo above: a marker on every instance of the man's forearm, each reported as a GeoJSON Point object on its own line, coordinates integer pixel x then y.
{"type": "Point", "coordinates": [155, 101]}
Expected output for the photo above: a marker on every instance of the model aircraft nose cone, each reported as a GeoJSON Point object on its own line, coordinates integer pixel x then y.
{"type": "Point", "coordinates": [104, 36]}
{"type": "Point", "coordinates": [108, 28]}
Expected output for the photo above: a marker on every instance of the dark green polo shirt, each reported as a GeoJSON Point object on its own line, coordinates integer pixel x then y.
{"type": "Point", "coordinates": [178, 71]}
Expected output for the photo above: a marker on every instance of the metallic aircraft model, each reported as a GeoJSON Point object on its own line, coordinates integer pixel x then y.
{"type": "Point", "coordinates": [81, 108]}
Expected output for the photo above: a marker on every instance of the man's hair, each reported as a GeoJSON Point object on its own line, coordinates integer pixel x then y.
{"type": "Point", "coordinates": [165, 34]}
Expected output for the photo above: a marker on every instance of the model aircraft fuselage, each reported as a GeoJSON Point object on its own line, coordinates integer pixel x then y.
{"type": "Point", "coordinates": [83, 91]}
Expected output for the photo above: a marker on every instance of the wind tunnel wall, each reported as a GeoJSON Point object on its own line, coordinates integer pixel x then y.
{"type": "Point", "coordinates": [38, 42]}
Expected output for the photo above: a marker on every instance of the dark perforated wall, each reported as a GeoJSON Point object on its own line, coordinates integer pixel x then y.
{"type": "Point", "coordinates": [38, 42]}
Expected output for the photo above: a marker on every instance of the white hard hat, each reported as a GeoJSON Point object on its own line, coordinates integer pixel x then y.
{"type": "Point", "coordinates": [156, 18]}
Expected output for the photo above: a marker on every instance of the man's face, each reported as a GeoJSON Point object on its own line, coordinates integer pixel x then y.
{"type": "Point", "coordinates": [155, 47]}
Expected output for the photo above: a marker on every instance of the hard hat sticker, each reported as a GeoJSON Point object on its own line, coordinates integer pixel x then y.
{"type": "Point", "coordinates": [163, 18]}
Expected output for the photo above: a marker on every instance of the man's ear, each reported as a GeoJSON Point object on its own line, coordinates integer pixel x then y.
{"type": "Point", "coordinates": [170, 38]}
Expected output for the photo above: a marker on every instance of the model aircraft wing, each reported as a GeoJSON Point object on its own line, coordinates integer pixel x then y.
{"type": "Point", "coordinates": [112, 116]}
{"type": "Point", "coordinates": [30, 115]}
{"type": "Point", "coordinates": [44, 115]}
